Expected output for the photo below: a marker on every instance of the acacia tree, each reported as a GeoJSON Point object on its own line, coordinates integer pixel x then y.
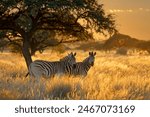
{"type": "Point", "coordinates": [21, 21]}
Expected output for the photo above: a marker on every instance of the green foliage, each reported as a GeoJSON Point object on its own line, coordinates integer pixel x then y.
{"type": "Point", "coordinates": [2, 34]}
{"type": "Point", "coordinates": [8, 3]}
{"type": "Point", "coordinates": [24, 22]}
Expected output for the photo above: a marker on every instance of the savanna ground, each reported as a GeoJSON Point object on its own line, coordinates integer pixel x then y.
{"type": "Point", "coordinates": [112, 77]}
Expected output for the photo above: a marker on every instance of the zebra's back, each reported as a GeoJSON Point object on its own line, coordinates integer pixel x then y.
{"type": "Point", "coordinates": [41, 68]}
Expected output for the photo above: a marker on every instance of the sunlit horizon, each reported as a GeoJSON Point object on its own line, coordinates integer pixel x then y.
{"type": "Point", "coordinates": [132, 17]}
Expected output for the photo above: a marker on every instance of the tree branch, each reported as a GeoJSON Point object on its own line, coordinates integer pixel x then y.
{"type": "Point", "coordinates": [82, 15]}
{"type": "Point", "coordinates": [13, 42]}
{"type": "Point", "coordinates": [70, 41]}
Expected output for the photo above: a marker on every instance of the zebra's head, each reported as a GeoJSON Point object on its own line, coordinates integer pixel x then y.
{"type": "Point", "coordinates": [70, 59]}
{"type": "Point", "coordinates": [90, 60]}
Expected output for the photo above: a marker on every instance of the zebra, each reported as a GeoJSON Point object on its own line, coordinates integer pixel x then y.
{"type": "Point", "coordinates": [83, 67]}
{"type": "Point", "coordinates": [40, 68]}
{"type": "Point", "coordinates": [48, 69]}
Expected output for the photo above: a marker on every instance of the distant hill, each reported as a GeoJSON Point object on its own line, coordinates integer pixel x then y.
{"type": "Point", "coordinates": [120, 40]}
{"type": "Point", "coordinates": [116, 41]}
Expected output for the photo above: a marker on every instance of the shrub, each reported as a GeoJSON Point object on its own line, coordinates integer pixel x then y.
{"type": "Point", "coordinates": [122, 51]}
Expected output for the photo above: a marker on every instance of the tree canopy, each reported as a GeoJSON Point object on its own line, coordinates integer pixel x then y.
{"type": "Point", "coordinates": [33, 25]}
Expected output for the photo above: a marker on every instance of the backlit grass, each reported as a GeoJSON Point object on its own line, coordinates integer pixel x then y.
{"type": "Point", "coordinates": [112, 77]}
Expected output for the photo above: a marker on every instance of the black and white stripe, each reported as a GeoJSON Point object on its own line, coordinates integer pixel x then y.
{"type": "Point", "coordinates": [49, 69]}
{"type": "Point", "coordinates": [83, 67]}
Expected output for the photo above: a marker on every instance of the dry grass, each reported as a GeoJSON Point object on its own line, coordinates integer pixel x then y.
{"type": "Point", "coordinates": [112, 77]}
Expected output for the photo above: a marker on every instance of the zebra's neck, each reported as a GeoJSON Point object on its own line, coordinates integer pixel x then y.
{"type": "Point", "coordinates": [67, 67]}
{"type": "Point", "coordinates": [87, 66]}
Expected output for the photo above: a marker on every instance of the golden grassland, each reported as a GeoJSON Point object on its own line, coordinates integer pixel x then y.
{"type": "Point", "coordinates": [113, 77]}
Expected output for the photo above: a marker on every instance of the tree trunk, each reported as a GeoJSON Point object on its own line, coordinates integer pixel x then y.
{"type": "Point", "coordinates": [26, 52]}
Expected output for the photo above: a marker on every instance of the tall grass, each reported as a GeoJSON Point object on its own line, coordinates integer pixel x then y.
{"type": "Point", "coordinates": [112, 77]}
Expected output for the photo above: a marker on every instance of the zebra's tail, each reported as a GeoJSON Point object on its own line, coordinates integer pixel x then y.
{"type": "Point", "coordinates": [27, 74]}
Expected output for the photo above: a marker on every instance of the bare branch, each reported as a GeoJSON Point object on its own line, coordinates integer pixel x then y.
{"type": "Point", "coordinates": [71, 41]}
{"type": "Point", "coordinates": [82, 15]}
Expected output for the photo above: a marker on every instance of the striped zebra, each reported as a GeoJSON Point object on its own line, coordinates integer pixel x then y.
{"type": "Point", "coordinates": [49, 69]}
{"type": "Point", "coordinates": [83, 67]}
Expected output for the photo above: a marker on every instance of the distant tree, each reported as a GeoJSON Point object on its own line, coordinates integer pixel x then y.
{"type": "Point", "coordinates": [33, 25]}
{"type": "Point", "coordinates": [122, 51]}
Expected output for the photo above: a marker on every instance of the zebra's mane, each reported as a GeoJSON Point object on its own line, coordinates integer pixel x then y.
{"type": "Point", "coordinates": [68, 57]}
{"type": "Point", "coordinates": [64, 58]}
{"type": "Point", "coordinates": [86, 59]}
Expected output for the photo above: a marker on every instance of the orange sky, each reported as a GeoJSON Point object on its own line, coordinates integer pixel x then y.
{"type": "Point", "coordinates": [132, 16]}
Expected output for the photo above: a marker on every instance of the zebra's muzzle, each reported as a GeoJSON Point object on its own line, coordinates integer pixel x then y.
{"type": "Point", "coordinates": [92, 64]}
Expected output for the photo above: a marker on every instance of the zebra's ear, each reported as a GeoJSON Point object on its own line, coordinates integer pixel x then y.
{"type": "Point", "coordinates": [70, 54]}
{"type": "Point", "coordinates": [90, 53]}
{"type": "Point", "coordinates": [94, 53]}
{"type": "Point", "coordinates": [75, 54]}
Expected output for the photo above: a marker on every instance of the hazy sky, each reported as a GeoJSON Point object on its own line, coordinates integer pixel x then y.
{"type": "Point", "coordinates": [132, 16]}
